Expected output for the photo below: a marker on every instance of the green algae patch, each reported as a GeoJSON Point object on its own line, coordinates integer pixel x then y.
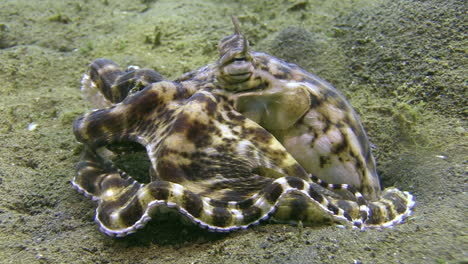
{"type": "Point", "coordinates": [414, 51]}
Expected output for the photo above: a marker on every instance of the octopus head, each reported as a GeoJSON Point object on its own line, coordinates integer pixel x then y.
{"type": "Point", "coordinates": [236, 64]}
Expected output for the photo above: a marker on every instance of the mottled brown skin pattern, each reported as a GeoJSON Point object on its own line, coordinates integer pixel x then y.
{"type": "Point", "coordinates": [307, 115]}
{"type": "Point", "coordinates": [230, 144]}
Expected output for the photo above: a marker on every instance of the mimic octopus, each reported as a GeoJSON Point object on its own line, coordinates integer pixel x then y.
{"type": "Point", "coordinates": [245, 139]}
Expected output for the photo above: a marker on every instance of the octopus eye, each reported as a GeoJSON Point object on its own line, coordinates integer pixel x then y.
{"type": "Point", "coordinates": [238, 70]}
{"type": "Point", "coordinates": [240, 59]}
{"type": "Point", "coordinates": [236, 64]}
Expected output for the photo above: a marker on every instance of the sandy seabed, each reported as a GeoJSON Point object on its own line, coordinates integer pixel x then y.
{"type": "Point", "coordinates": [402, 64]}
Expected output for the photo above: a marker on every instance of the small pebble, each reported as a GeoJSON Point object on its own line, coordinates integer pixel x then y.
{"type": "Point", "coordinates": [32, 126]}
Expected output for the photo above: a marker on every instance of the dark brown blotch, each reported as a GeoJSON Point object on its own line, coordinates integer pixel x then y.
{"type": "Point", "coordinates": [208, 103]}
{"type": "Point", "coordinates": [95, 122]}
{"type": "Point", "coordinates": [298, 208]}
{"type": "Point", "coordinates": [340, 146]}
{"type": "Point", "coordinates": [333, 208]}
{"type": "Point", "coordinates": [273, 192]}
{"type": "Point", "coordinates": [221, 217]}
{"type": "Point", "coordinates": [170, 171]}
{"type": "Point", "coordinates": [324, 161]}
{"type": "Point", "coordinates": [88, 179]}
{"type": "Point", "coordinates": [144, 102]}
{"type": "Point", "coordinates": [251, 215]}
{"type": "Point", "coordinates": [295, 182]}
{"type": "Point", "coordinates": [297, 171]}
{"type": "Point", "coordinates": [181, 91]}
{"type": "Point", "coordinates": [200, 134]}
{"type": "Point", "coordinates": [347, 216]}
{"type": "Point", "coordinates": [218, 203]}
{"type": "Point", "coordinates": [257, 134]}
{"type": "Point", "coordinates": [192, 203]}
{"type": "Point", "coordinates": [315, 195]}
{"type": "Point", "coordinates": [167, 115]}
{"type": "Point", "coordinates": [181, 123]}
{"type": "Point", "coordinates": [159, 190]}
{"type": "Point", "coordinates": [235, 117]}
{"type": "Point", "coordinates": [227, 108]}
{"type": "Point", "coordinates": [323, 183]}
{"type": "Point", "coordinates": [245, 203]}
{"type": "Point", "coordinates": [132, 212]}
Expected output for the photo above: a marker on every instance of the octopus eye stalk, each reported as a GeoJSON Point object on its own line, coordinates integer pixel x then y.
{"type": "Point", "coordinates": [235, 62]}
{"type": "Point", "coordinates": [234, 45]}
